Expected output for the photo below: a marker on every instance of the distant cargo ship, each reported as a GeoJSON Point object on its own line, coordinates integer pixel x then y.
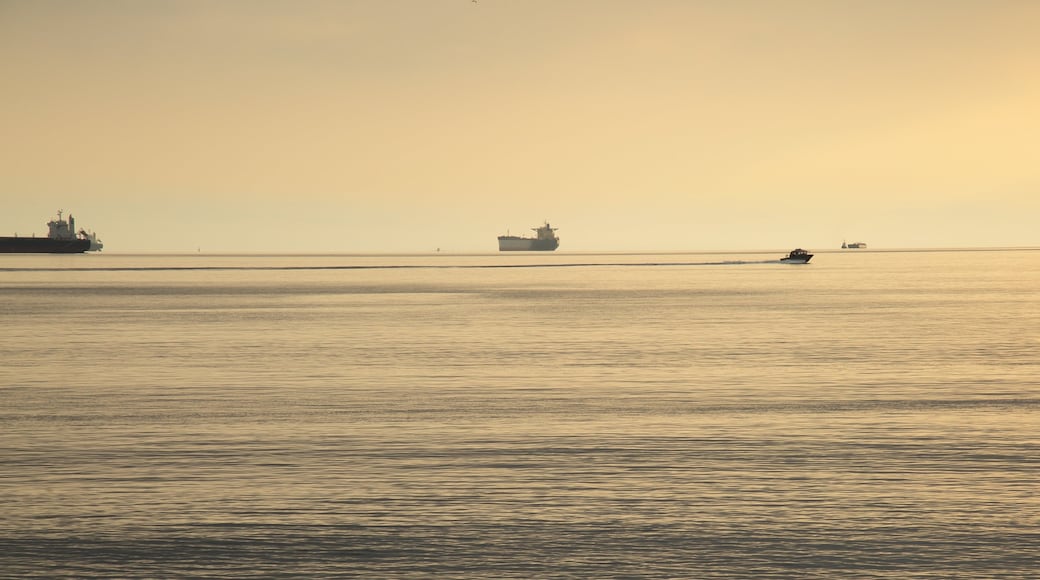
{"type": "Point", "coordinates": [62, 238]}
{"type": "Point", "coordinates": [853, 246]}
{"type": "Point", "coordinates": [545, 241]}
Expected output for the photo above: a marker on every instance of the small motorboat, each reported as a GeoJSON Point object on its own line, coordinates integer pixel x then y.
{"type": "Point", "coordinates": [797, 256]}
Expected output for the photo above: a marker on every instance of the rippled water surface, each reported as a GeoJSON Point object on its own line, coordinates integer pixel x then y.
{"type": "Point", "coordinates": [869, 415]}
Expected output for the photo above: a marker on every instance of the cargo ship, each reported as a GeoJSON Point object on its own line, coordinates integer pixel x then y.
{"type": "Point", "coordinates": [62, 238]}
{"type": "Point", "coordinates": [545, 240]}
{"type": "Point", "coordinates": [853, 246]}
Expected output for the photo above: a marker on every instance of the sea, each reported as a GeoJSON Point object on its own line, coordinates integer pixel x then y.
{"type": "Point", "coordinates": [871, 414]}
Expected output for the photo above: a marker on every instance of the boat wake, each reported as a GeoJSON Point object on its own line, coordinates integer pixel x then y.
{"type": "Point", "coordinates": [390, 266]}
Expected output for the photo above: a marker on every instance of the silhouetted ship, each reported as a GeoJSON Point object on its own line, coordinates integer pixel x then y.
{"type": "Point", "coordinates": [545, 241]}
{"type": "Point", "coordinates": [797, 256]}
{"type": "Point", "coordinates": [62, 238]}
{"type": "Point", "coordinates": [853, 246]}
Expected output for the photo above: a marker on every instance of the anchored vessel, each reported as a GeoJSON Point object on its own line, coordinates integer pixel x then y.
{"type": "Point", "coordinates": [545, 241]}
{"type": "Point", "coordinates": [62, 238]}
{"type": "Point", "coordinates": [797, 256]}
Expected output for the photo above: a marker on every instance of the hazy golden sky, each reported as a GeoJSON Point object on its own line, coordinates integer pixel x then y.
{"type": "Point", "coordinates": [386, 125]}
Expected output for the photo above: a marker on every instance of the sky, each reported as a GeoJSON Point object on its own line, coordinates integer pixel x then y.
{"type": "Point", "coordinates": [392, 126]}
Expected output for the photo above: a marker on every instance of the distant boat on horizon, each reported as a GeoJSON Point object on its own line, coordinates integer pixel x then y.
{"type": "Point", "coordinates": [853, 246]}
{"type": "Point", "coordinates": [545, 241]}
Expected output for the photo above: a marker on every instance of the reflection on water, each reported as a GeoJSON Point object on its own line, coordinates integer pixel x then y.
{"type": "Point", "coordinates": [872, 415]}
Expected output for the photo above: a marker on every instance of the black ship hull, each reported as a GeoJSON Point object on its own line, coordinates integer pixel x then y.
{"type": "Point", "coordinates": [17, 245]}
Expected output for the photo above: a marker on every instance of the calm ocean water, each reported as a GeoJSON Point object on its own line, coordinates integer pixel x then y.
{"type": "Point", "coordinates": [869, 415]}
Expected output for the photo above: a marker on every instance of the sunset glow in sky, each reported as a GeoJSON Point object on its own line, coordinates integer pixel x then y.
{"type": "Point", "coordinates": [404, 126]}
